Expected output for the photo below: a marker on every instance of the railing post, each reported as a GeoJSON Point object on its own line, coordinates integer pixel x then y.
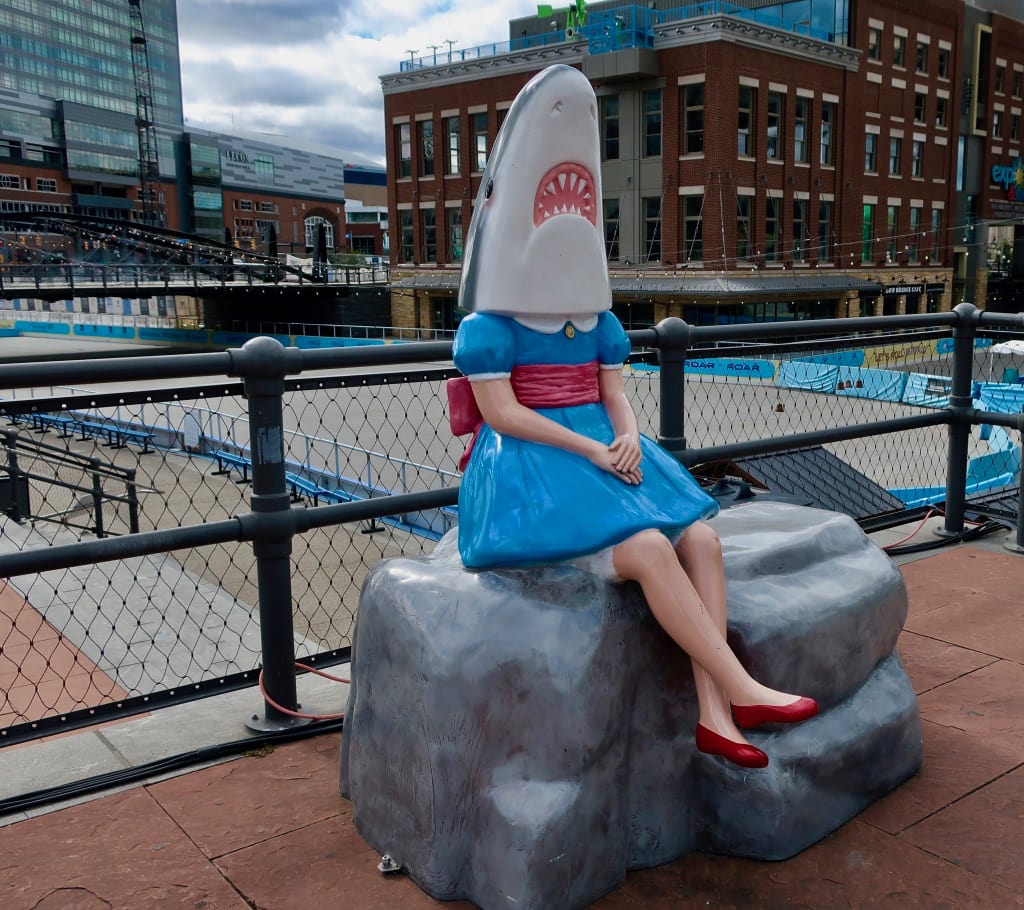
{"type": "Point", "coordinates": [961, 409]}
{"type": "Point", "coordinates": [673, 342]}
{"type": "Point", "coordinates": [97, 498]}
{"type": "Point", "coordinates": [263, 363]}
{"type": "Point", "coordinates": [10, 440]}
{"type": "Point", "coordinates": [1016, 545]}
{"type": "Point", "coordinates": [133, 502]}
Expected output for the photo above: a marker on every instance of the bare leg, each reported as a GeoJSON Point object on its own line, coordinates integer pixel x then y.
{"type": "Point", "coordinates": [649, 559]}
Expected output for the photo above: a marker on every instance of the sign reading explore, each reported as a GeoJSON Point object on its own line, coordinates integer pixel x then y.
{"type": "Point", "coordinates": [1011, 179]}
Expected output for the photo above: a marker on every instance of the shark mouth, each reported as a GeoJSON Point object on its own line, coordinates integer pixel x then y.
{"type": "Point", "coordinates": [567, 189]}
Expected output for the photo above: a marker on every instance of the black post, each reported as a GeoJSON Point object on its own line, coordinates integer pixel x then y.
{"type": "Point", "coordinates": [133, 502]}
{"type": "Point", "coordinates": [97, 497]}
{"type": "Point", "coordinates": [961, 410]}
{"type": "Point", "coordinates": [263, 363]}
{"type": "Point", "coordinates": [15, 474]}
{"type": "Point", "coordinates": [1017, 544]}
{"type": "Point", "coordinates": [673, 342]}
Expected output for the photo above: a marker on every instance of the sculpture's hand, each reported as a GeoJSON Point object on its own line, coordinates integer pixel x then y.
{"type": "Point", "coordinates": [604, 458]}
{"type": "Point", "coordinates": [625, 450]}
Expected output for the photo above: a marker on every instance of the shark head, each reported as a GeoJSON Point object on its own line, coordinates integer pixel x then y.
{"type": "Point", "coordinates": [535, 244]}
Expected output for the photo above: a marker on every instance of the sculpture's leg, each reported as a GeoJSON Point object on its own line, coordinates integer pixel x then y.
{"type": "Point", "coordinates": [699, 552]}
{"type": "Point", "coordinates": [649, 559]}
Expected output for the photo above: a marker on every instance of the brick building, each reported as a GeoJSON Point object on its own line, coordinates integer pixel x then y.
{"type": "Point", "coordinates": [761, 161]}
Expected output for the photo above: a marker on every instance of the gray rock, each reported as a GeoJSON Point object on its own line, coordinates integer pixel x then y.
{"type": "Point", "coordinates": [524, 737]}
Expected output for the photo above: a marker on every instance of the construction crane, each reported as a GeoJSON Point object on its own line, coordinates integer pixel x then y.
{"type": "Point", "coordinates": [149, 156]}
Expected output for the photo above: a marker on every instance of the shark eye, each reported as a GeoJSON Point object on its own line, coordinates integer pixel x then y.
{"type": "Point", "coordinates": [489, 190]}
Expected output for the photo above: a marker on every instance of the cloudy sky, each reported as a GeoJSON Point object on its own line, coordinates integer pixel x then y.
{"type": "Point", "coordinates": [307, 70]}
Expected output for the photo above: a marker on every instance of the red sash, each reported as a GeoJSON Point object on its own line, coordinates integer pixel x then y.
{"type": "Point", "coordinates": [542, 385]}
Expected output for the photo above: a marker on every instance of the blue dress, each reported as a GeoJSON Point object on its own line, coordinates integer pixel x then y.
{"type": "Point", "coordinates": [527, 503]}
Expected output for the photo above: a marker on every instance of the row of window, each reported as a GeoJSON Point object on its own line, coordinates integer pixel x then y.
{"type": "Point", "coordinates": [895, 166]}
{"type": "Point", "coordinates": [247, 205]}
{"type": "Point", "coordinates": [902, 240]}
{"type": "Point", "coordinates": [805, 239]}
{"type": "Point", "coordinates": [14, 182]}
{"type": "Point", "coordinates": [922, 57]}
{"type": "Point", "coordinates": [452, 149]}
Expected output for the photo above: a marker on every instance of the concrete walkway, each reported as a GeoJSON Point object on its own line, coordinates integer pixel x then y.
{"type": "Point", "coordinates": [270, 830]}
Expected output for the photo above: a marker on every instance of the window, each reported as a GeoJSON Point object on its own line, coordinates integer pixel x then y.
{"type": "Point", "coordinates": [405, 226]}
{"type": "Point", "coordinates": [1015, 127]}
{"type": "Point", "coordinates": [743, 240]}
{"type": "Point", "coordinates": [941, 107]}
{"type": "Point", "coordinates": [1018, 83]}
{"type": "Point", "coordinates": [899, 50]}
{"type": "Point", "coordinates": [891, 227]}
{"type": "Point", "coordinates": [867, 232]}
{"type": "Point", "coordinates": [874, 44]}
{"type": "Point", "coordinates": [10, 182]}
{"type": "Point", "coordinates": [652, 123]}
{"type": "Point", "coordinates": [775, 146]}
{"type": "Point", "coordinates": [914, 241]}
{"type": "Point", "coordinates": [693, 230]}
{"type": "Point", "coordinates": [828, 119]}
{"type": "Point", "coordinates": [895, 151]}
{"type": "Point", "coordinates": [771, 231]}
{"type": "Point", "coordinates": [454, 216]}
{"type": "Point", "coordinates": [609, 127]}
{"type": "Point", "coordinates": [997, 124]}
{"type": "Point", "coordinates": [870, 153]}
{"type": "Point", "coordinates": [652, 228]}
{"type": "Point", "coordinates": [802, 113]}
{"type": "Point", "coordinates": [799, 230]}
{"type": "Point", "coordinates": [427, 151]}
{"type": "Point", "coordinates": [917, 166]}
{"type": "Point", "coordinates": [403, 149]}
{"type": "Point", "coordinates": [824, 232]}
{"type": "Point", "coordinates": [611, 228]}
{"type": "Point", "coordinates": [922, 57]}
{"type": "Point", "coordinates": [480, 141]}
{"type": "Point", "coordinates": [46, 185]}
{"type": "Point", "coordinates": [943, 63]}
{"type": "Point", "coordinates": [745, 120]}
{"type": "Point", "coordinates": [936, 256]}
{"type": "Point", "coordinates": [501, 113]}
{"type": "Point", "coordinates": [452, 145]}
{"type": "Point", "coordinates": [268, 207]}
{"type": "Point", "coordinates": [264, 165]}
{"type": "Point", "coordinates": [245, 205]}
{"type": "Point", "coordinates": [693, 119]}
{"type": "Point", "coordinates": [1000, 81]}
{"type": "Point", "coordinates": [428, 234]}
{"type": "Point", "coordinates": [920, 102]}
{"type": "Point", "coordinates": [313, 224]}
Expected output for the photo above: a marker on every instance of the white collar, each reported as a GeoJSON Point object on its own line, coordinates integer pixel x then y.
{"type": "Point", "coordinates": [549, 325]}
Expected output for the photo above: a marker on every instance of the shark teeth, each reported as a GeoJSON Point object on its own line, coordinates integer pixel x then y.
{"type": "Point", "coordinates": [565, 190]}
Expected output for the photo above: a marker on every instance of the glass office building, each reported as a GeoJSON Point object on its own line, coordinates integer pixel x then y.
{"type": "Point", "coordinates": [80, 51]}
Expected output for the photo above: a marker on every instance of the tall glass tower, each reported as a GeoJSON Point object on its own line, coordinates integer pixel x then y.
{"type": "Point", "coordinates": [81, 52]}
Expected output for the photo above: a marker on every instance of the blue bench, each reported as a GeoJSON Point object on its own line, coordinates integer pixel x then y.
{"type": "Point", "coordinates": [228, 460]}
{"type": "Point", "coordinates": [117, 436]}
{"type": "Point", "coordinates": [311, 490]}
{"type": "Point", "coordinates": [44, 422]}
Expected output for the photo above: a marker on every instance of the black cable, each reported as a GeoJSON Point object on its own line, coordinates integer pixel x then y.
{"type": "Point", "coordinates": [964, 536]}
{"type": "Point", "coordinates": [124, 776]}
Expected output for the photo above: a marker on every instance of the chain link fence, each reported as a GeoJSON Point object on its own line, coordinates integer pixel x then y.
{"type": "Point", "coordinates": [140, 494]}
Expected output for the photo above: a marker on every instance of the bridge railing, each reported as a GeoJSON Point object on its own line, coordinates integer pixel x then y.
{"type": "Point", "coordinates": [258, 521]}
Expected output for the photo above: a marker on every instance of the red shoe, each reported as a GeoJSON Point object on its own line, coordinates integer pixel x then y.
{"type": "Point", "coordinates": [741, 754]}
{"type": "Point", "coordinates": [755, 715]}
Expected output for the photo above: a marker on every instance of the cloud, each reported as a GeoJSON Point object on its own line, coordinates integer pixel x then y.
{"type": "Point", "coordinates": [310, 69]}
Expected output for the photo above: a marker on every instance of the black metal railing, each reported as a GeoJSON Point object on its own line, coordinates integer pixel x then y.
{"type": "Point", "coordinates": [263, 500]}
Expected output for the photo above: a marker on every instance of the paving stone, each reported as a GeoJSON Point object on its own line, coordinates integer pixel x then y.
{"type": "Point", "coordinates": [325, 864]}
{"type": "Point", "coordinates": [983, 832]}
{"type": "Point", "coordinates": [969, 597]}
{"type": "Point", "coordinates": [856, 867]}
{"type": "Point", "coordinates": [119, 852]}
{"type": "Point", "coordinates": [54, 762]}
{"type": "Point", "coordinates": [930, 662]}
{"type": "Point", "coordinates": [987, 704]}
{"type": "Point", "coordinates": [253, 799]}
{"type": "Point", "coordinates": [955, 763]}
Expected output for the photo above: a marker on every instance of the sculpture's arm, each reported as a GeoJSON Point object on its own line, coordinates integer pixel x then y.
{"type": "Point", "coordinates": [625, 448]}
{"type": "Point", "coordinates": [503, 413]}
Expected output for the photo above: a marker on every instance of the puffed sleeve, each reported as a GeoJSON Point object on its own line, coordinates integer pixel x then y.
{"type": "Point", "coordinates": [612, 343]}
{"type": "Point", "coordinates": [485, 347]}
